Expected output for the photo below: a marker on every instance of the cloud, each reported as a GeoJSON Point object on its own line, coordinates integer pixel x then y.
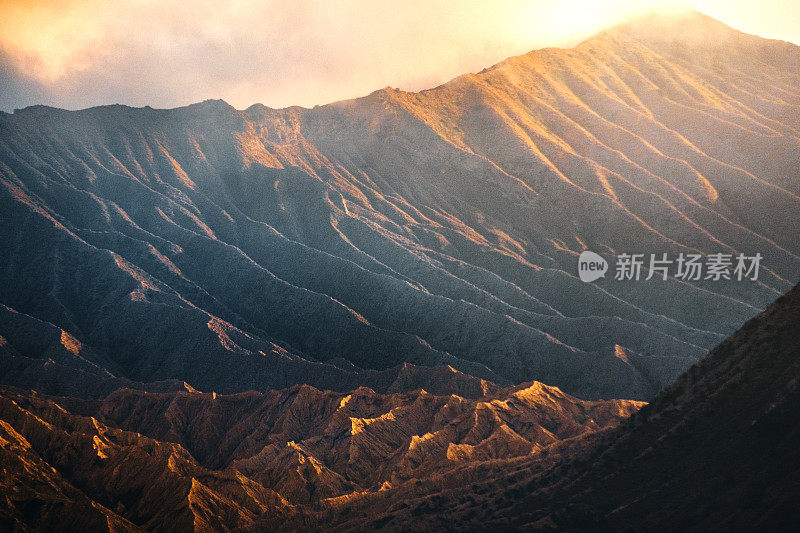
{"type": "Point", "coordinates": [167, 53]}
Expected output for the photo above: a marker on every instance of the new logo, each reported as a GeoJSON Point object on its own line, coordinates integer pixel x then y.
{"type": "Point", "coordinates": [591, 266]}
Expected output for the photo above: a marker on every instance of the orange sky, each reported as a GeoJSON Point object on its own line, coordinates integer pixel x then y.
{"type": "Point", "coordinates": [77, 53]}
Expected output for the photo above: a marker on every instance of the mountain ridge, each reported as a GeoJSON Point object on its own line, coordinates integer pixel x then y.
{"type": "Point", "coordinates": [467, 203]}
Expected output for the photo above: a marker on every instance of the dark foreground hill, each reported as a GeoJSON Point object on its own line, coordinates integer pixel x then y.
{"type": "Point", "coordinates": [261, 248]}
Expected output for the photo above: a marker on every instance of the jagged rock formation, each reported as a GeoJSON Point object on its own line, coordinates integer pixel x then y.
{"type": "Point", "coordinates": [194, 461]}
{"type": "Point", "coordinates": [257, 249]}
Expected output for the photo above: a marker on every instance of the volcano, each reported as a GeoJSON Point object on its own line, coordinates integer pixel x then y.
{"type": "Point", "coordinates": [369, 314]}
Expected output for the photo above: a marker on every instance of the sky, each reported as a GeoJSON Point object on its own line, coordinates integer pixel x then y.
{"type": "Point", "coordinates": [167, 53]}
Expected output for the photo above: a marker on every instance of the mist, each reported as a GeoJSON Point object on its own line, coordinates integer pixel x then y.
{"type": "Point", "coordinates": [167, 53]}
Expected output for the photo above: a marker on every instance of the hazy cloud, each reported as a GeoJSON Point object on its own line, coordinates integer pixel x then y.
{"type": "Point", "coordinates": [166, 52]}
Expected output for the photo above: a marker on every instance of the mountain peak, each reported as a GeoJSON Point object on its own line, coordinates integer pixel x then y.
{"type": "Point", "coordinates": [671, 19]}
{"type": "Point", "coordinates": [693, 37]}
{"type": "Point", "coordinates": [685, 27]}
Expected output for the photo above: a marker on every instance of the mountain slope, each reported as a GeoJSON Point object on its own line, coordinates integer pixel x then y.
{"type": "Point", "coordinates": [255, 249]}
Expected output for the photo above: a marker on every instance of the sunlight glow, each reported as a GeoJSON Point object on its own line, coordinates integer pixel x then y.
{"type": "Point", "coordinates": [167, 52]}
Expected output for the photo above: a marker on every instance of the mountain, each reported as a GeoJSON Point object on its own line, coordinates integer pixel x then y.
{"type": "Point", "coordinates": [367, 315]}
{"type": "Point", "coordinates": [335, 246]}
{"type": "Point", "coordinates": [715, 451]}
{"type": "Point", "coordinates": [189, 460]}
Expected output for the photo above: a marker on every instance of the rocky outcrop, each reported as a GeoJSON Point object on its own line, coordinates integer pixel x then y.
{"type": "Point", "coordinates": [207, 462]}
